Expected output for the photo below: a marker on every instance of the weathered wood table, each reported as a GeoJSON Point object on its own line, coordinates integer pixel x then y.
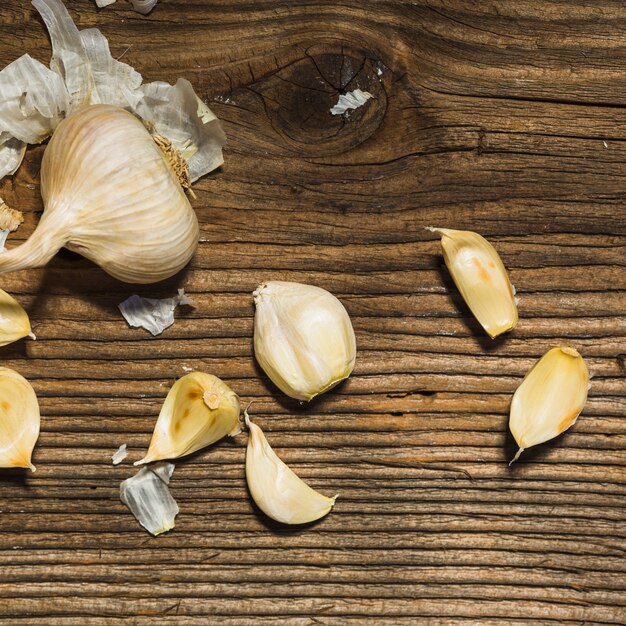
{"type": "Point", "coordinates": [504, 117]}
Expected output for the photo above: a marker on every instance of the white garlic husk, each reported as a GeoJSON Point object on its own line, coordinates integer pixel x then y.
{"type": "Point", "coordinates": [19, 420]}
{"type": "Point", "coordinates": [111, 195]}
{"type": "Point", "coordinates": [303, 338]}
{"type": "Point", "coordinates": [550, 398]}
{"type": "Point", "coordinates": [148, 497]}
{"type": "Point", "coordinates": [275, 488]}
{"type": "Point", "coordinates": [199, 410]}
{"type": "Point", "coordinates": [14, 322]}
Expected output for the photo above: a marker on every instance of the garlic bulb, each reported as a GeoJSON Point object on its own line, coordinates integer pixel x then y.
{"type": "Point", "coordinates": [199, 410]}
{"type": "Point", "coordinates": [550, 398]}
{"type": "Point", "coordinates": [277, 491]}
{"type": "Point", "coordinates": [14, 323]}
{"type": "Point", "coordinates": [480, 276]}
{"type": "Point", "coordinates": [303, 338]}
{"type": "Point", "coordinates": [19, 420]}
{"type": "Point", "coordinates": [110, 194]}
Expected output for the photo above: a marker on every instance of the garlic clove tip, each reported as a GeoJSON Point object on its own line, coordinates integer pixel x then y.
{"type": "Point", "coordinates": [517, 456]}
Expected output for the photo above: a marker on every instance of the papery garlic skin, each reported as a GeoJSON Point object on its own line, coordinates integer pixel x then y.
{"type": "Point", "coordinates": [148, 497]}
{"type": "Point", "coordinates": [14, 322]}
{"type": "Point", "coordinates": [110, 195]}
{"type": "Point", "coordinates": [481, 278]}
{"type": "Point", "coordinates": [550, 398]}
{"type": "Point", "coordinates": [19, 420]}
{"type": "Point", "coordinates": [199, 410]}
{"type": "Point", "coordinates": [276, 489]}
{"type": "Point", "coordinates": [303, 338]}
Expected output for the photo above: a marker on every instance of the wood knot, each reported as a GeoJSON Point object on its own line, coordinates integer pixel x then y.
{"type": "Point", "coordinates": [299, 97]}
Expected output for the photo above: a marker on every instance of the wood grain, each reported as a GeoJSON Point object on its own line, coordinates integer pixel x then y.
{"type": "Point", "coordinates": [504, 117]}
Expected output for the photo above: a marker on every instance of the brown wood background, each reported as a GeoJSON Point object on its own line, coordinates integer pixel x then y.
{"type": "Point", "coordinates": [504, 117]}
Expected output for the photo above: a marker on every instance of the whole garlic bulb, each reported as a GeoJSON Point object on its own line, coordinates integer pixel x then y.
{"type": "Point", "coordinates": [111, 195]}
{"type": "Point", "coordinates": [303, 338]}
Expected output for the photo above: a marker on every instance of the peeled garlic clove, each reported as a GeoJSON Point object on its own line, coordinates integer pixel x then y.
{"type": "Point", "coordinates": [550, 398]}
{"type": "Point", "coordinates": [480, 276]}
{"type": "Point", "coordinates": [148, 497]}
{"type": "Point", "coordinates": [14, 323]}
{"type": "Point", "coordinates": [19, 420]}
{"type": "Point", "coordinates": [303, 338]}
{"type": "Point", "coordinates": [199, 410]}
{"type": "Point", "coordinates": [277, 491]}
{"type": "Point", "coordinates": [111, 195]}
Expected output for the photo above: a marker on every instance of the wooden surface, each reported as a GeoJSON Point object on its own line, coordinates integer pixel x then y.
{"type": "Point", "coordinates": [504, 117]}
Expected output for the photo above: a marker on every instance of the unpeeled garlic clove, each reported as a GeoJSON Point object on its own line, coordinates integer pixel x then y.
{"type": "Point", "coordinates": [111, 195]}
{"type": "Point", "coordinates": [199, 410]}
{"type": "Point", "coordinates": [550, 398]}
{"type": "Point", "coordinates": [277, 491]}
{"type": "Point", "coordinates": [19, 420]}
{"type": "Point", "coordinates": [481, 278]}
{"type": "Point", "coordinates": [14, 322]}
{"type": "Point", "coordinates": [303, 338]}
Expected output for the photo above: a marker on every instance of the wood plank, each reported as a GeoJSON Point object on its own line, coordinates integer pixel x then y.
{"type": "Point", "coordinates": [505, 117]}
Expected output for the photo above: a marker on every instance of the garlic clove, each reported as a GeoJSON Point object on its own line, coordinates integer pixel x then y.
{"type": "Point", "coordinates": [550, 398]}
{"type": "Point", "coordinates": [110, 194]}
{"type": "Point", "coordinates": [19, 420]}
{"type": "Point", "coordinates": [303, 338]}
{"type": "Point", "coordinates": [481, 278]}
{"type": "Point", "coordinates": [199, 410]}
{"type": "Point", "coordinates": [14, 322]}
{"type": "Point", "coordinates": [275, 488]}
{"type": "Point", "coordinates": [148, 497]}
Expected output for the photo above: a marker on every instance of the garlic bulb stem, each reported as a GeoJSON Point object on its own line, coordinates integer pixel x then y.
{"type": "Point", "coordinates": [37, 250]}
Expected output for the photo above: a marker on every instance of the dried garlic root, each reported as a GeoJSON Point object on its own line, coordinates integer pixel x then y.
{"type": "Point", "coordinates": [303, 338]}
{"type": "Point", "coordinates": [19, 420]}
{"type": "Point", "coordinates": [550, 398]}
{"type": "Point", "coordinates": [199, 410]}
{"type": "Point", "coordinates": [481, 278]}
{"type": "Point", "coordinates": [277, 491]}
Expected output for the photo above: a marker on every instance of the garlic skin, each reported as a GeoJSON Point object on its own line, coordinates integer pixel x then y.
{"type": "Point", "coordinates": [14, 322]}
{"type": "Point", "coordinates": [550, 398]}
{"type": "Point", "coordinates": [199, 410]}
{"type": "Point", "coordinates": [19, 420]}
{"type": "Point", "coordinates": [148, 497]}
{"type": "Point", "coordinates": [303, 338]}
{"type": "Point", "coordinates": [277, 491]}
{"type": "Point", "coordinates": [481, 278]}
{"type": "Point", "coordinates": [110, 195]}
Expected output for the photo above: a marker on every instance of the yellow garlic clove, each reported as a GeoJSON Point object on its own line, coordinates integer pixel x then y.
{"type": "Point", "coordinates": [303, 338]}
{"type": "Point", "coordinates": [14, 322]}
{"type": "Point", "coordinates": [277, 491]}
{"type": "Point", "coordinates": [19, 420]}
{"type": "Point", "coordinates": [199, 410]}
{"type": "Point", "coordinates": [481, 278]}
{"type": "Point", "coordinates": [550, 398]}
